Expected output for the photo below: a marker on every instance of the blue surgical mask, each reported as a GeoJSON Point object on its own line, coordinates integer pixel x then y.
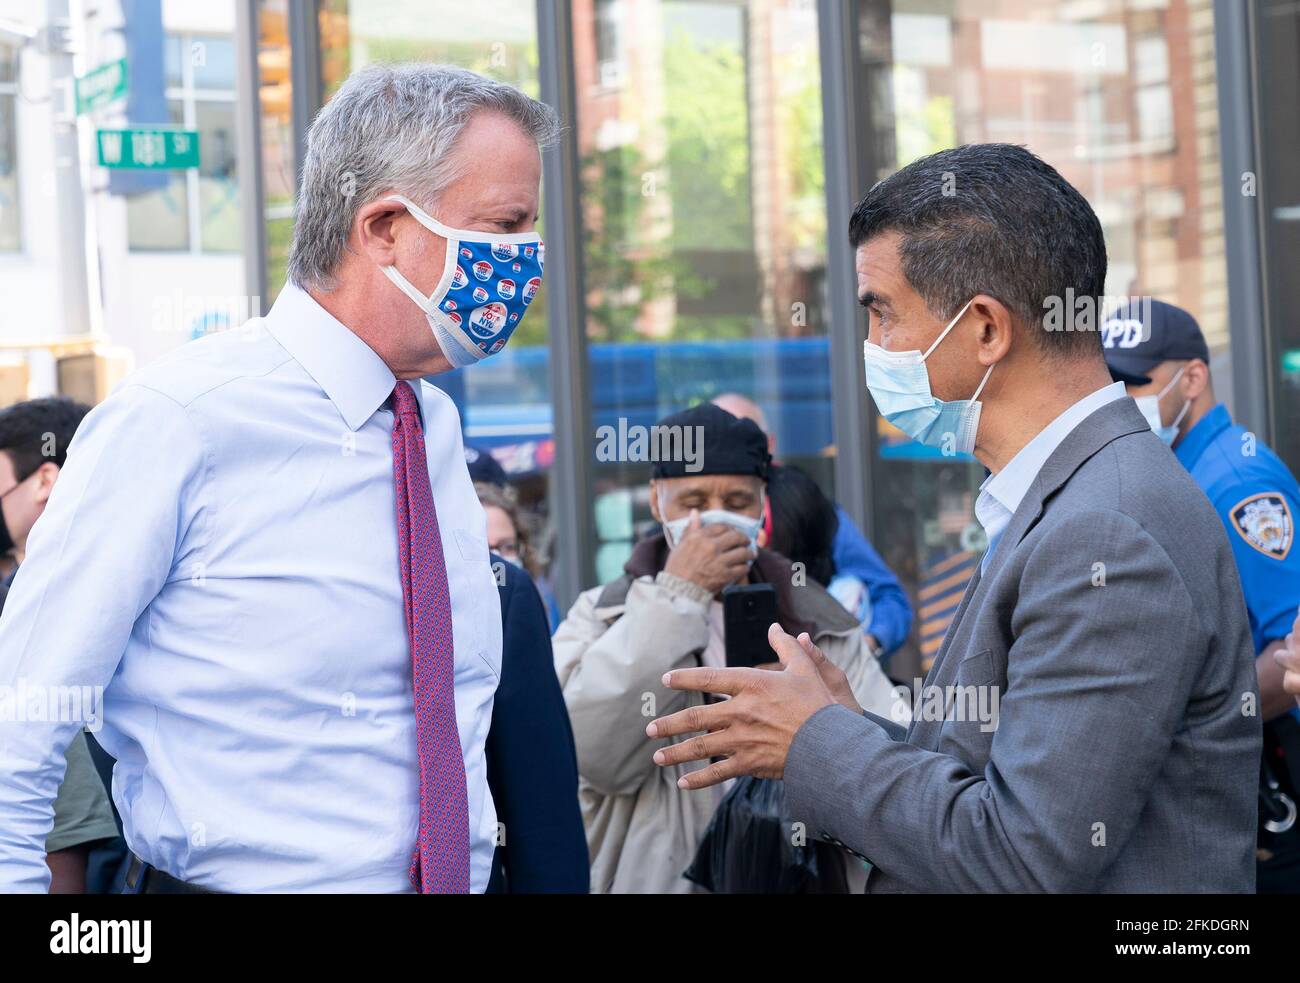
{"type": "Point", "coordinates": [900, 386]}
{"type": "Point", "coordinates": [487, 283]}
{"type": "Point", "coordinates": [674, 529]}
{"type": "Point", "coordinates": [1150, 407]}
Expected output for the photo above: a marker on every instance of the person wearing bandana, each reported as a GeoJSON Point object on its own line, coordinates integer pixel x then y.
{"type": "Point", "coordinates": [665, 613]}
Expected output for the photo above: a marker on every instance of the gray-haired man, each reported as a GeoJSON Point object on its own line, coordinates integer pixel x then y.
{"type": "Point", "coordinates": [265, 550]}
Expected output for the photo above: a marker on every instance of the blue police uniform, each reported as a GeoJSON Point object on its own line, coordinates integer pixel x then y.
{"type": "Point", "coordinates": [1258, 500]}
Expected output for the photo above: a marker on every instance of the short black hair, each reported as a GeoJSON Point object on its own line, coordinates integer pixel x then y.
{"type": "Point", "coordinates": [993, 218]}
{"type": "Point", "coordinates": [804, 521]}
{"type": "Point", "coordinates": [39, 430]}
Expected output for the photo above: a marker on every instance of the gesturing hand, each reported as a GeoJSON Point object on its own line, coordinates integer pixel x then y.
{"type": "Point", "coordinates": [753, 730]}
{"type": "Point", "coordinates": [1288, 658]}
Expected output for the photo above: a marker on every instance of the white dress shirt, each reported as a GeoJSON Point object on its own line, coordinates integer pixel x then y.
{"type": "Point", "coordinates": [220, 556]}
{"type": "Point", "coordinates": [1000, 494]}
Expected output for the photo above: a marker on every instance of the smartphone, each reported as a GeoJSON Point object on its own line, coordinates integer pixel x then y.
{"type": "Point", "coordinates": [748, 611]}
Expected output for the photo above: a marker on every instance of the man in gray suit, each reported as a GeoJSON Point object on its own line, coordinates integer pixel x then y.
{"type": "Point", "coordinates": [1090, 723]}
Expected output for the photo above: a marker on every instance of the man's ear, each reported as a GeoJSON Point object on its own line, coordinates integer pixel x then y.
{"type": "Point", "coordinates": [1196, 378]}
{"type": "Point", "coordinates": [997, 327]}
{"type": "Point", "coordinates": [654, 501]}
{"type": "Point", "coordinates": [46, 475]}
{"type": "Point", "coordinates": [373, 230]}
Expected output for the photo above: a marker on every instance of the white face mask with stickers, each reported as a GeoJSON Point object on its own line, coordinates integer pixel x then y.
{"type": "Point", "coordinates": [487, 282]}
{"type": "Point", "coordinates": [674, 529]}
{"type": "Point", "coordinates": [1150, 407]}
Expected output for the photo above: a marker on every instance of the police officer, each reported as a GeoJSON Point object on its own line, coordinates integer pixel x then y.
{"type": "Point", "coordinates": [1158, 352]}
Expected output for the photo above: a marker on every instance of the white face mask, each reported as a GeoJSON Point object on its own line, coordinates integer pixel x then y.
{"type": "Point", "coordinates": [674, 529]}
{"type": "Point", "coordinates": [900, 385]}
{"type": "Point", "coordinates": [1150, 407]}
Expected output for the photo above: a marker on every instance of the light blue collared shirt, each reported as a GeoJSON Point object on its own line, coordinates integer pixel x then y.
{"type": "Point", "coordinates": [1001, 494]}
{"type": "Point", "coordinates": [219, 555]}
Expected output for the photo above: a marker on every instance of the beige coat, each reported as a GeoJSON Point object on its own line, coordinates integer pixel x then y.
{"type": "Point", "coordinates": [610, 654]}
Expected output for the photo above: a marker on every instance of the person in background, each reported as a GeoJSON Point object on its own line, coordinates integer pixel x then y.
{"type": "Point", "coordinates": [618, 640]}
{"type": "Point", "coordinates": [484, 469]}
{"type": "Point", "coordinates": [34, 439]}
{"type": "Point", "coordinates": [1158, 351]}
{"type": "Point", "coordinates": [800, 524]}
{"type": "Point", "coordinates": [889, 612]}
{"type": "Point", "coordinates": [507, 531]}
{"type": "Point", "coordinates": [531, 765]}
{"type": "Point", "coordinates": [506, 535]}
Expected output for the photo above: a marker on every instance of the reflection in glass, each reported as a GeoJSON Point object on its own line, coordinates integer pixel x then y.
{"type": "Point", "coordinates": [218, 182]}
{"type": "Point", "coordinates": [699, 128]}
{"type": "Point", "coordinates": [159, 219]}
{"type": "Point", "coordinates": [279, 179]}
{"type": "Point", "coordinates": [1278, 28]}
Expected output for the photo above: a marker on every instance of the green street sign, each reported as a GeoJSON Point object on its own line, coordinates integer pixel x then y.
{"type": "Point", "coordinates": [105, 84]}
{"type": "Point", "coordinates": [151, 148]}
{"type": "Point", "coordinates": [1291, 361]}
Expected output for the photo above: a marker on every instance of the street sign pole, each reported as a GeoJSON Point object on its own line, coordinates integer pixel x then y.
{"type": "Point", "coordinates": [70, 206]}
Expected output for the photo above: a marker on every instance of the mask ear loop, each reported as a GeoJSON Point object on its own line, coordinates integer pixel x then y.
{"type": "Point", "coordinates": [1186, 406]}
{"type": "Point", "coordinates": [944, 333]}
{"type": "Point", "coordinates": [663, 517]}
{"type": "Point", "coordinates": [1172, 382]}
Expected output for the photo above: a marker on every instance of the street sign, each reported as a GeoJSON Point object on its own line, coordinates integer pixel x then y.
{"type": "Point", "coordinates": [148, 148]}
{"type": "Point", "coordinates": [103, 85]}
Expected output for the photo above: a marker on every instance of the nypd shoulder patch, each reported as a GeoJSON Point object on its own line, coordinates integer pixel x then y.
{"type": "Point", "coordinates": [1264, 521]}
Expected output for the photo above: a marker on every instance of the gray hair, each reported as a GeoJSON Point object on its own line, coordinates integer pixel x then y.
{"type": "Point", "coordinates": [391, 128]}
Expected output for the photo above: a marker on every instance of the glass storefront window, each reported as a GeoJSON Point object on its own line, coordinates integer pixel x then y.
{"type": "Point", "coordinates": [275, 112]}
{"type": "Point", "coordinates": [1119, 96]}
{"type": "Point", "coordinates": [197, 211]}
{"type": "Point", "coordinates": [218, 185]}
{"type": "Point", "coordinates": [700, 140]}
{"type": "Point", "coordinates": [1278, 30]}
{"type": "Point", "coordinates": [159, 219]}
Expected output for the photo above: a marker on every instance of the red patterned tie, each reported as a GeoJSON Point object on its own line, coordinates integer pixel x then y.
{"type": "Point", "coordinates": [441, 861]}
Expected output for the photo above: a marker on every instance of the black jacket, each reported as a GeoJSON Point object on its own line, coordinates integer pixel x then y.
{"type": "Point", "coordinates": [531, 763]}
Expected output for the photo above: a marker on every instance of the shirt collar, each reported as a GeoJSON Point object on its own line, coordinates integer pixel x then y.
{"type": "Point", "coordinates": [348, 370]}
{"type": "Point", "coordinates": [1010, 485]}
{"type": "Point", "coordinates": [1191, 447]}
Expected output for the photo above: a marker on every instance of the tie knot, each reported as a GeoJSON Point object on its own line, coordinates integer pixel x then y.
{"type": "Point", "coordinates": [405, 404]}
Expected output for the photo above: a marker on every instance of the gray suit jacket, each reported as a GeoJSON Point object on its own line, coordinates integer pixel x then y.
{"type": "Point", "coordinates": [1110, 635]}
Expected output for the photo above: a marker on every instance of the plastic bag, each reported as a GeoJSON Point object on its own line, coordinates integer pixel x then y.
{"type": "Point", "coordinates": [749, 848]}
